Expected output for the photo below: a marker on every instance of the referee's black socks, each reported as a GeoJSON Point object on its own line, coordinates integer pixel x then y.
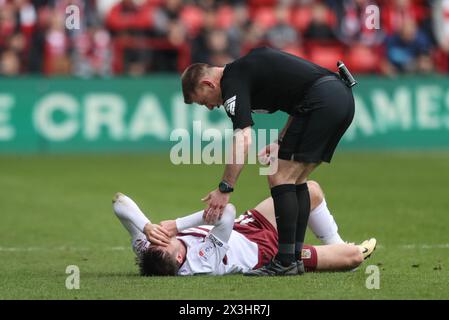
{"type": "Point", "coordinates": [286, 211]}
{"type": "Point", "coordinates": [303, 199]}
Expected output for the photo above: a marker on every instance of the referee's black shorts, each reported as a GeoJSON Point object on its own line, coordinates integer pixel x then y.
{"type": "Point", "coordinates": [315, 132]}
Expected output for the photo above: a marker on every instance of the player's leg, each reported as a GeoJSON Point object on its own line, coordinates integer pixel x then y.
{"type": "Point", "coordinates": [266, 208]}
{"type": "Point", "coordinates": [321, 221]}
{"type": "Point", "coordinates": [132, 218]}
{"type": "Point", "coordinates": [316, 194]}
{"type": "Point", "coordinates": [338, 257]}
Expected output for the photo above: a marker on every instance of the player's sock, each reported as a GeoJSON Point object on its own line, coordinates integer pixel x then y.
{"type": "Point", "coordinates": [132, 230]}
{"type": "Point", "coordinates": [286, 211]}
{"type": "Point", "coordinates": [323, 225]}
{"type": "Point", "coordinates": [303, 199]}
{"type": "Point", "coordinates": [139, 241]}
{"type": "Point", "coordinates": [125, 208]}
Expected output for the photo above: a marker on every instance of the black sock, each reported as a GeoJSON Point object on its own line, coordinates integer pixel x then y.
{"type": "Point", "coordinates": [303, 198]}
{"type": "Point", "coordinates": [286, 211]}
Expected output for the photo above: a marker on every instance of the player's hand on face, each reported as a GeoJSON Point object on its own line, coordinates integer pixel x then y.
{"type": "Point", "coordinates": [156, 234]}
{"type": "Point", "coordinates": [216, 201]}
{"type": "Point", "coordinates": [170, 227]}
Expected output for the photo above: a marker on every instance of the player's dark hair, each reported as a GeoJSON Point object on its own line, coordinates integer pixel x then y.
{"type": "Point", "coordinates": [157, 262]}
{"type": "Point", "coordinates": [190, 79]}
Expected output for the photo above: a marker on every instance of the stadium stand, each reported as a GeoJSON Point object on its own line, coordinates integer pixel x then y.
{"type": "Point", "coordinates": [138, 37]}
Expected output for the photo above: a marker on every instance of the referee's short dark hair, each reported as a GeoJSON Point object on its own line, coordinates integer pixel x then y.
{"type": "Point", "coordinates": [191, 78]}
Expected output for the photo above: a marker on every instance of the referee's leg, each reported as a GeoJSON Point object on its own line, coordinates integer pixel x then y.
{"type": "Point", "coordinates": [303, 198]}
{"type": "Point", "coordinates": [286, 207]}
{"type": "Point", "coordinates": [290, 240]}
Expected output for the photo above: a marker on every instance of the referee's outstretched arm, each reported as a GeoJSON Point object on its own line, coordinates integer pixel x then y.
{"type": "Point", "coordinates": [218, 199]}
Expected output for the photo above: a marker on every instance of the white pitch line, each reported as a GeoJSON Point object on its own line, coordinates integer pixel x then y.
{"type": "Point", "coordinates": [425, 246]}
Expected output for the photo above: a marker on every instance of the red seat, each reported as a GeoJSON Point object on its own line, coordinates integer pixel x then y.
{"type": "Point", "coordinates": [301, 17]}
{"type": "Point", "coordinates": [362, 59]}
{"type": "Point", "coordinates": [193, 19]}
{"type": "Point", "coordinates": [262, 3]}
{"type": "Point", "coordinates": [225, 17]}
{"type": "Point", "coordinates": [440, 60]}
{"type": "Point", "coordinates": [265, 17]}
{"type": "Point", "coordinates": [326, 55]}
{"type": "Point", "coordinates": [155, 3]}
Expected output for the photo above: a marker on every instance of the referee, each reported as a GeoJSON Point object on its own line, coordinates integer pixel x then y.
{"type": "Point", "coordinates": [320, 107]}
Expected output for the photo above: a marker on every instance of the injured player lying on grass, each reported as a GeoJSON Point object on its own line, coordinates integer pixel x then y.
{"type": "Point", "coordinates": [187, 246]}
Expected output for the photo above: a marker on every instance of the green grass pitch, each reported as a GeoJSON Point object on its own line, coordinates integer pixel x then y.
{"type": "Point", "coordinates": [56, 211]}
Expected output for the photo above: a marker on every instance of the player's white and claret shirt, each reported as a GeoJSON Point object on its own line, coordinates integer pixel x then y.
{"type": "Point", "coordinates": [206, 254]}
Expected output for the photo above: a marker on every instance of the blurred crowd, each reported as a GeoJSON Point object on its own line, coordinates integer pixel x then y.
{"type": "Point", "coordinates": [137, 37]}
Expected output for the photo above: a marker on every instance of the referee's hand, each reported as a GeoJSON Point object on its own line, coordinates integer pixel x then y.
{"type": "Point", "coordinates": [216, 201]}
{"type": "Point", "coordinates": [268, 153]}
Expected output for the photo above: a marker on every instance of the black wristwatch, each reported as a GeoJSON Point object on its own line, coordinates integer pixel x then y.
{"type": "Point", "coordinates": [225, 187]}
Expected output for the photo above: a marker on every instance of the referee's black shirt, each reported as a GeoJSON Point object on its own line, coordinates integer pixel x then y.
{"type": "Point", "coordinates": [264, 81]}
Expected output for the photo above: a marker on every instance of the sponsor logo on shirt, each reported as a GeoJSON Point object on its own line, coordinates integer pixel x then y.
{"type": "Point", "coordinates": [206, 251]}
{"type": "Point", "coordinates": [215, 240]}
{"type": "Point", "coordinates": [230, 105]}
